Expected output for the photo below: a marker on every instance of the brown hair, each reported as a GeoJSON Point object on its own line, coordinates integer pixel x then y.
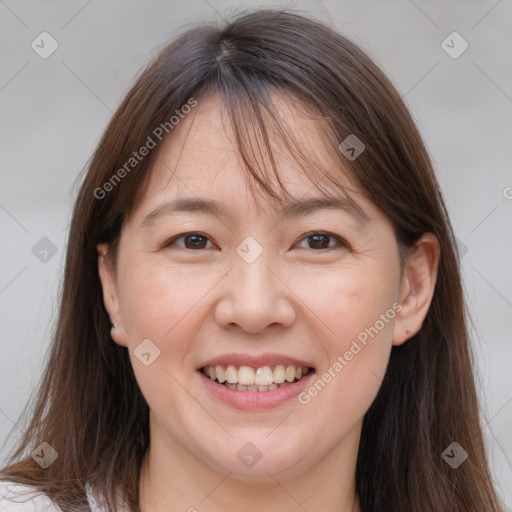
{"type": "Point", "coordinates": [89, 406]}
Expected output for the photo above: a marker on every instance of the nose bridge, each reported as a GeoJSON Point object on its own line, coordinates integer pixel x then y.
{"type": "Point", "coordinates": [251, 273]}
{"type": "Point", "coordinates": [254, 298]}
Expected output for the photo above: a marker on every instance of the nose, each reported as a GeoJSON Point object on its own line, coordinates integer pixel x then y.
{"type": "Point", "coordinates": [254, 297]}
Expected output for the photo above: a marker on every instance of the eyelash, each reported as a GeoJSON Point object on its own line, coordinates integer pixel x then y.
{"type": "Point", "coordinates": [342, 243]}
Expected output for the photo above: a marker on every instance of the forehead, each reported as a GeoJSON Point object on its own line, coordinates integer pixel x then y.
{"type": "Point", "coordinates": [201, 157]}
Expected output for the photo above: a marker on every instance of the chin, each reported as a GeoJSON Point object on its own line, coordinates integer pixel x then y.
{"type": "Point", "coordinates": [254, 457]}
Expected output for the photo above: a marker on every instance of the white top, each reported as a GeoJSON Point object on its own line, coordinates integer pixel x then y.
{"type": "Point", "coordinates": [14, 499]}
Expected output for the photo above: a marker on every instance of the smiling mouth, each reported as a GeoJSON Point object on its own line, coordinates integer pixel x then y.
{"type": "Point", "coordinates": [247, 378]}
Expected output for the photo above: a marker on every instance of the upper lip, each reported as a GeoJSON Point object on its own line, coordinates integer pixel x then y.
{"type": "Point", "coordinates": [255, 361]}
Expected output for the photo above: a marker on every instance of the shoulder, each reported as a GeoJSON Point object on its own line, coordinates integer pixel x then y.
{"type": "Point", "coordinates": [16, 497]}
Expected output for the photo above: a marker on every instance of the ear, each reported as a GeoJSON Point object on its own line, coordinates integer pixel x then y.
{"type": "Point", "coordinates": [107, 275]}
{"type": "Point", "coordinates": [417, 289]}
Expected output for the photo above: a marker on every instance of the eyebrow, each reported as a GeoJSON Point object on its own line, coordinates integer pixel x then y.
{"type": "Point", "coordinates": [300, 208]}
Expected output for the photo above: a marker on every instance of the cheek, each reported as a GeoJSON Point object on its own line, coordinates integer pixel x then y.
{"type": "Point", "coordinates": [352, 300]}
{"type": "Point", "coordinates": [167, 304]}
{"type": "Point", "coordinates": [163, 303]}
{"type": "Point", "coordinates": [359, 309]}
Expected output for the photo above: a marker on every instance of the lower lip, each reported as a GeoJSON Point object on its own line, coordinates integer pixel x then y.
{"type": "Point", "coordinates": [255, 399]}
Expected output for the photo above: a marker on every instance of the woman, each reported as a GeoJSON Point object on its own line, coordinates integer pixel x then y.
{"type": "Point", "coordinates": [262, 306]}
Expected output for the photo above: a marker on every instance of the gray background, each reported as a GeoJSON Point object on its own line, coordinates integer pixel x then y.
{"type": "Point", "coordinates": [54, 110]}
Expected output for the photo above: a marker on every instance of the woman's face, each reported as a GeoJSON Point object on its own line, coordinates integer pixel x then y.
{"type": "Point", "coordinates": [252, 294]}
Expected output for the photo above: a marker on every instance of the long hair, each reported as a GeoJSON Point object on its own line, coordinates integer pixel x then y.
{"type": "Point", "coordinates": [89, 407]}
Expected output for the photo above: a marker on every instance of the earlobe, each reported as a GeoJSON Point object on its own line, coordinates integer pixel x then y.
{"type": "Point", "coordinates": [418, 286]}
{"type": "Point", "coordinates": [110, 294]}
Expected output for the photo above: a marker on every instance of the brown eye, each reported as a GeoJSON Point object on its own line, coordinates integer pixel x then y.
{"type": "Point", "coordinates": [191, 241]}
{"type": "Point", "coordinates": [318, 241]}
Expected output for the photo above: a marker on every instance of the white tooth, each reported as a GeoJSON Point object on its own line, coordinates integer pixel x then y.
{"type": "Point", "coordinates": [231, 374]}
{"type": "Point", "coordinates": [290, 373]}
{"type": "Point", "coordinates": [263, 376]}
{"type": "Point", "coordinates": [284, 384]}
{"type": "Point", "coordinates": [246, 375]}
{"type": "Point", "coordinates": [279, 374]}
{"type": "Point", "coordinates": [221, 373]}
{"type": "Point", "coordinates": [263, 379]}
